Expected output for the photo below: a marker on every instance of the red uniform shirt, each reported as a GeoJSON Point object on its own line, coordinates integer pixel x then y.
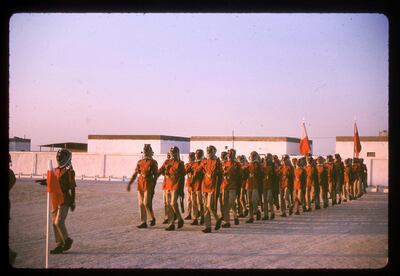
{"type": "Point", "coordinates": [348, 174]}
{"type": "Point", "coordinates": [268, 176]}
{"type": "Point", "coordinates": [211, 168]}
{"type": "Point", "coordinates": [173, 171]}
{"type": "Point", "coordinates": [298, 175]}
{"type": "Point", "coordinates": [197, 177]}
{"type": "Point", "coordinates": [321, 174]}
{"type": "Point", "coordinates": [146, 169]}
{"type": "Point", "coordinates": [339, 171]}
{"type": "Point", "coordinates": [253, 175]}
{"type": "Point", "coordinates": [189, 176]}
{"type": "Point", "coordinates": [231, 175]}
{"type": "Point", "coordinates": [285, 173]}
{"type": "Point", "coordinates": [310, 173]}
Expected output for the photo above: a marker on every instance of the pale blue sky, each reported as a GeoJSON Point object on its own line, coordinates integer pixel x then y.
{"type": "Point", "coordinates": [197, 74]}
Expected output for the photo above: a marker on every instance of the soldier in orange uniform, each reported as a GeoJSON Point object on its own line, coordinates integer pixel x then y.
{"type": "Point", "coordinates": [173, 170]}
{"type": "Point", "coordinates": [285, 174]}
{"type": "Point", "coordinates": [243, 200]}
{"type": "Point", "coordinates": [298, 176]}
{"type": "Point", "coordinates": [302, 163]}
{"type": "Point", "coordinates": [364, 177]}
{"type": "Point", "coordinates": [223, 158]}
{"type": "Point", "coordinates": [211, 168]}
{"type": "Point", "coordinates": [310, 182]}
{"type": "Point", "coordinates": [165, 200]}
{"type": "Point", "coordinates": [189, 181]}
{"type": "Point", "coordinates": [339, 176]}
{"type": "Point", "coordinates": [231, 180]}
{"type": "Point", "coordinates": [197, 197]}
{"type": "Point", "coordinates": [357, 174]}
{"type": "Point", "coordinates": [275, 183]}
{"type": "Point", "coordinates": [348, 179]}
{"type": "Point", "coordinates": [322, 180]}
{"type": "Point", "coordinates": [331, 178]}
{"type": "Point", "coordinates": [253, 175]}
{"type": "Point", "coordinates": [268, 173]}
{"type": "Point", "coordinates": [146, 168]}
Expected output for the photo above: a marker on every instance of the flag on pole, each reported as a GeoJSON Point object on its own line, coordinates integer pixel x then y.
{"type": "Point", "coordinates": [304, 142]}
{"type": "Point", "coordinates": [53, 187]}
{"type": "Point", "coordinates": [357, 143]}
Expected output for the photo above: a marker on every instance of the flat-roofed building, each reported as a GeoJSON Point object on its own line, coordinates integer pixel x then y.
{"type": "Point", "coordinates": [133, 144]}
{"type": "Point", "coordinates": [19, 144]}
{"type": "Point", "coordinates": [374, 151]}
{"type": "Point", "coordinates": [246, 144]}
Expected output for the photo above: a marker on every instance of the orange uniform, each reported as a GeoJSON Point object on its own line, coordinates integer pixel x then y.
{"type": "Point", "coordinates": [173, 171]}
{"type": "Point", "coordinates": [147, 171]}
{"type": "Point", "coordinates": [285, 173]}
{"type": "Point", "coordinates": [231, 175]}
{"type": "Point", "coordinates": [189, 176]}
{"type": "Point", "coordinates": [268, 176]}
{"type": "Point", "coordinates": [211, 168]}
{"type": "Point", "coordinates": [298, 175]}
{"type": "Point", "coordinates": [310, 172]}
{"type": "Point", "coordinates": [197, 177]}
{"type": "Point", "coordinates": [253, 175]}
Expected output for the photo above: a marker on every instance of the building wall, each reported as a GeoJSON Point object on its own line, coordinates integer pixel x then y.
{"type": "Point", "coordinates": [19, 146]}
{"type": "Point", "coordinates": [244, 147]}
{"type": "Point", "coordinates": [121, 146]}
{"type": "Point", "coordinates": [184, 146]}
{"type": "Point", "coordinates": [378, 166]}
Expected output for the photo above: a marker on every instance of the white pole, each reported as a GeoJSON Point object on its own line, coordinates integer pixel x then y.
{"type": "Point", "coordinates": [49, 168]}
{"type": "Point", "coordinates": [47, 230]}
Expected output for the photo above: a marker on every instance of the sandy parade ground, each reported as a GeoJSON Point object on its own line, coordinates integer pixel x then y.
{"type": "Point", "coordinates": [103, 226]}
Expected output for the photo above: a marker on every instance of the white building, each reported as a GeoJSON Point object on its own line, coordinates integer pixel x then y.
{"type": "Point", "coordinates": [374, 151]}
{"type": "Point", "coordinates": [19, 144]}
{"type": "Point", "coordinates": [246, 144]}
{"type": "Point", "coordinates": [133, 144]}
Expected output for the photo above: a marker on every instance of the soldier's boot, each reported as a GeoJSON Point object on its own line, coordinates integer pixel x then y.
{"type": "Point", "coordinates": [250, 220]}
{"type": "Point", "coordinates": [194, 222]}
{"type": "Point", "coordinates": [218, 224]}
{"type": "Point", "coordinates": [188, 217]}
{"type": "Point", "coordinates": [202, 220]}
{"type": "Point", "coordinates": [170, 228]}
{"type": "Point", "coordinates": [206, 230]}
{"type": "Point", "coordinates": [165, 221]}
{"type": "Point", "coordinates": [153, 222]}
{"type": "Point", "coordinates": [258, 215]}
{"type": "Point", "coordinates": [236, 221]}
{"type": "Point", "coordinates": [272, 216]}
{"type": "Point", "coordinates": [246, 212]}
{"type": "Point", "coordinates": [290, 211]}
{"type": "Point", "coordinates": [226, 225]}
{"type": "Point", "coordinates": [143, 225]}
{"type": "Point", "coordinates": [180, 223]}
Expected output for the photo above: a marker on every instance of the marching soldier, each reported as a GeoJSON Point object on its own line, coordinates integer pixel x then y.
{"type": "Point", "coordinates": [275, 183]}
{"type": "Point", "coordinates": [173, 170]}
{"type": "Point", "coordinates": [322, 180]}
{"type": "Point", "coordinates": [310, 182]}
{"type": "Point", "coordinates": [147, 169]}
{"type": "Point", "coordinates": [223, 158]}
{"type": "Point", "coordinates": [268, 178]}
{"type": "Point", "coordinates": [364, 176]}
{"type": "Point", "coordinates": [357, 174]}
{"type": "Point", "coordinates": [253, 175]}
{"type": "Point", "coordinates": [243, 200]}
{"type": "Point", "coordinates": [165, 200]}
{"type": "Point", "coordinates": [285, 174]}
{"type": "Point", "coordinates": [232, 176]}
{"type": "Point", "coordinates": [339, 171]}
{"type": "Point", "coordinates": [298, 177]}
{"type": "Point", "coordinates": [189, 181]}
{"type": "Point", "coordinates": [302, 163]}
{"type": "Point", "coordinates": [211, 168]}
{"type": "Point", "coordinates": [348, 179]}
{"type": "Point", "coordinates": [331, 177]}
{"type": "Point", "coordinates": [197, 197]}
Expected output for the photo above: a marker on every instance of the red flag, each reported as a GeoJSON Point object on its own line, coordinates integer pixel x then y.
{"type": "Point", "coordinates": [304, 143]}
{"type": "Point", "coordinates": [53, 187]}
{"type": "Point", "coordinates": [357, 144]}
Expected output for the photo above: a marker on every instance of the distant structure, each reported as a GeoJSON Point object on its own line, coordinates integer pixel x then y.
{"type": "Point", "coordinates": [133, 144]}
{"type": "Point", "coordinates": [72, 146]}
{"type": "Point", "coordinates": [383, 133]}
{"type": "Point", "coordinates": [19, 144]}
{"type": "Point", "coordinates": [375, 152]}
{"type": "Point", "coordinates": [246, 144]}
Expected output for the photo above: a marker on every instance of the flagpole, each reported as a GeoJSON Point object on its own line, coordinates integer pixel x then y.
{"type": "Point", "coordinates": [47, 230]}
{"type": "Point", "coordinates": [354, 133]}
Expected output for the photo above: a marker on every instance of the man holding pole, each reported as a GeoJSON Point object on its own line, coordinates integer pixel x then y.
{"type": "Point", "coordinates": [61, 186]}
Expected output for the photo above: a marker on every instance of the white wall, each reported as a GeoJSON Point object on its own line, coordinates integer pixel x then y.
{"type": "Point", "coordinates": [184, 146]}
{"type": "Point", "coordinates": [378, 166]}
{"type": "Point", "coordinates": [244, 147]}
{"type": "Point", "coordinates": [121, 146]}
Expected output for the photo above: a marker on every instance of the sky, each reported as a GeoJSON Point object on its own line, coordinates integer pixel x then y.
{"type": "Point", "coordinates": [188, 74]}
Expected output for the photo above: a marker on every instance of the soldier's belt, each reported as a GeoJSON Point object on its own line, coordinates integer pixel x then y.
{"type": "Point", "coordinates": [227, 177]}
{"type": "Point", "coordinates": [251, 175]}
{"type": "Point", "coordinates": [208, 175]}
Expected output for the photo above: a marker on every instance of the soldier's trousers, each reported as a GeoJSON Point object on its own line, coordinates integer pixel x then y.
{"type": "Point", "coordinates": [275, 193]}
{"type": "Point", "coordinates": [297, 199]}
{"type": "Point", "coordinates": [165, 201]}
{"type": "Point", "coordinates": [209, 199]}
{"type": "Point", "coordinates": [59, 215]}
{"type": "Point", "coordinates": [303, 198]}
{"type": "Point", "coordinates": [189, 202]}
{"type": "Point", "coordinates": [144, 200]}
{"type": "Point", "coordinates": [172, 199]}
{"type": "Point", "coordinates": [316, 195]}
{"type": "Point", "coordinates": [349, 189]}
{"type": "Point", "coordinates": [339, 191]}
{"type": "Point", "coordinates": [332, 191]}
{"type": "Point", "coordinates": [268, 202]}
{"type": "Point", "coordinates": [285, 199]}
{"type": "Point", "coordinates": [197, 204]}
{"type": "Point", "coordinates": [308, 196]}
{"type": "Point", "coordinates": [243, 200]}
{"type": "Point", "coordinates": [356, 188]}
{"type": "Point", "coordinates": [228, 204]}
{"type": "Point", "coordinates": [252, 197]}
{"type": "Point", "coordinates": [324, 194]}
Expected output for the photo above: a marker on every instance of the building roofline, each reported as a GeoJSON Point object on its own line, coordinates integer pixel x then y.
{"type": "Point", "coordinates": [138, 137]}
{"type": "Point", "coordinates": [18, 139]}
{"type": "Point", "coordinates": [246, 138]}
{"type": "Point", "coordinates": [362, 138]}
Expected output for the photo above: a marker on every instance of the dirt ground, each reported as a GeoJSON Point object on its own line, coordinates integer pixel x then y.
{"type": "Point", "coordinates": [103, 227]}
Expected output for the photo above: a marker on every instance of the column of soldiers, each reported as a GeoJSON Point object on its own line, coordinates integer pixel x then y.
{"type": "Point", "coordinates": [253, 188]}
